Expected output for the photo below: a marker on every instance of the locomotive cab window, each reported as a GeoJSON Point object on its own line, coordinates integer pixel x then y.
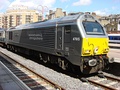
{"type": "Point", "coordinates": [67, 29]}
{"type": "Point", "coordinates": [67, 33]}
{"type": "Point", "coordinates": [93, 28]}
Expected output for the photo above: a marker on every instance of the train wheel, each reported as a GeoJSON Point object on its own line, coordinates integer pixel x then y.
{"type": "Point", "coordinates": [62, 64]}
{"type": "Point", "coordinates": [7, 46]}
{"type": "Point", "coordinates": [45, 61]}
{"type": "Point", "coordinates": [44, 58]}
{"type": "Point", "coordinates": [15, 50]}
{"type": "Point", "coordinates": [40, 56]}
{"type": "Point", "coordinates": [53, 59]}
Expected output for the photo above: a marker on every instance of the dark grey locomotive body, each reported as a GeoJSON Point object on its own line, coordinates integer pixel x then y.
{"type": "Point", "coordinates": [58, 41]}
{"type": "Point", "coordinates": [52, 37]}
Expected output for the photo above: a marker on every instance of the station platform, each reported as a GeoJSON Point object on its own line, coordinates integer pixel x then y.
{"type": "Point", "coordinates": [8, 81]}
{"type": "Point", "coordinates": [114, 45]}
{"type": "Point", "coordinates": [114, 53]}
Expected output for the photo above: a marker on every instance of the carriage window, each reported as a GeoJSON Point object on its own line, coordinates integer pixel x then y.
{"type": "Point", "coordinates": [0, 34]}
{"type": "Point", "coordinates": [67, 34]}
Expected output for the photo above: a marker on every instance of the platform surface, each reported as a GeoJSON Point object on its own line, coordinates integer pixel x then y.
{"type": "Point", "coordinates": [115, 53]}
{"type": "Point", "coordinates": [8, 81]}
{"type": "Point", "coordinates": [114, 45]}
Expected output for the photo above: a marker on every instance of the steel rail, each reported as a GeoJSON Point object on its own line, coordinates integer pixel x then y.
{"type": "Point", "coordinates": [102, 85]}
{"type": "Point", "coordinates": [112, 78]}
{"type": "Point", "coordinates": [14, 78]}
{"type": "Point", "coordinates": [11, 60]}
{"type": "Point", "coordinates": [106, 86]}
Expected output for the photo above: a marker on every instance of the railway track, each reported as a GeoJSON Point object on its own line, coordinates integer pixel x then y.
{"type": "Point", "coordinates": [106, 82]}
{"type": "Point", "coordinates": [33, 80]}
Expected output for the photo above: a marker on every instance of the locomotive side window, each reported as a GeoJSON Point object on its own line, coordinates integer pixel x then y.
{"type": "Point", "coordinates": [67, 33]}
{"type": "Point", "coordinates": [93, 28]}
{"type": "Point", "coordinates": [10, 35]}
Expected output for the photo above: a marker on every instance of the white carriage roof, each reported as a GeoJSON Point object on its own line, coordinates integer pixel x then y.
{"type": "Point", "coordinates": [113, 34]}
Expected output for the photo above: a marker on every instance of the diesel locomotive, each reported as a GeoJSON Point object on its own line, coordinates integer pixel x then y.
{"type": "Point", "coordinates": [75, 42]}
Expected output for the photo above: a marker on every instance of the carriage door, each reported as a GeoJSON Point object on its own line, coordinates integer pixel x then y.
{"type": "Point", "coordinates": [60, 38]}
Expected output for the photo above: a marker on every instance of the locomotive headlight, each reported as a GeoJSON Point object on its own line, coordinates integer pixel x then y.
{"type": "Point", "coordinates": [95, 50]}
{"type": "Point", "coordinates": [92, 62]}
{"type": "Point", "coordinates": [87, 51]}
{"type": "Point", "coordinates": [107, 49]}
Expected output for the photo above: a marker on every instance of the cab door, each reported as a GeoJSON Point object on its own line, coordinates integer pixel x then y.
{"type": "Point", "coordinates": [67, 40]}
{"type": "Point", "coordinates": [60, 38]}
{"type": "Point", "coordinates": [67, 34]}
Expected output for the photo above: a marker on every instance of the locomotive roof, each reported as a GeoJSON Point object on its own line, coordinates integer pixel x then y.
{"type": "Point", "coordinates": [48, 22]}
